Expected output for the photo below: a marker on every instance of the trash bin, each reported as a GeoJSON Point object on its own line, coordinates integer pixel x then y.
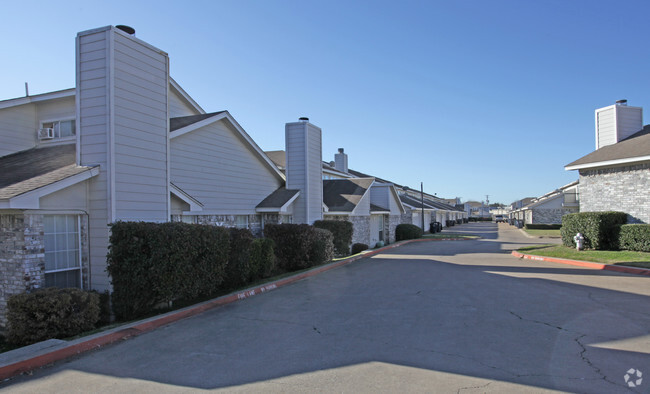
{"type": "Point", "coordinates": [432, 227]}
{"type": "Point", "coordinates": [438, 226]}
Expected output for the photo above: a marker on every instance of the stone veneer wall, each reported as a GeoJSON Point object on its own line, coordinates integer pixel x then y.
{"type": "Point", "coordinates": [360, 227]}
{"type": "Point", "coordinates": [622, 189]}
{"type": "Point", "coordinates": [22, 256]}
{"type": "Point", "coordinates": [391, 223]}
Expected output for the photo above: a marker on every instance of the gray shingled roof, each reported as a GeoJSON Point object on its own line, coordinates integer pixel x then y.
{"type": "Point", "coordinates": [278, 198]}
{"type": "Point", "coordinates": [278, 157]}
{"type": "Point", "coordinates": [343, 195]}
{"type": "Point", "coordinates": [31, 169]}
{"type": "Point", "coordinates": [636, 145]}
{"type": "Point", "coordinates": [183, 121]}
{"type": "Point", "coordinates": [377, 208]}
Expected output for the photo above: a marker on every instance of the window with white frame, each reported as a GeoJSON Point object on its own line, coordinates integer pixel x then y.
{"type": "Point", "coordinates": [241, 221]}
{"type": "Point", "coordinates": [62, 251]}
{"type": "Point", "coordinates": [58, 129]}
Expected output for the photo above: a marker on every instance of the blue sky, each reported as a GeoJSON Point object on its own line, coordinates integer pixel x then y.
{"type": "Point", "coordinates": [472, 98]}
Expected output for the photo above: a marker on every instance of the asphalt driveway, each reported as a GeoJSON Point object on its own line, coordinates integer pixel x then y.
{"type": "Point", "coordinates": [446, 316]}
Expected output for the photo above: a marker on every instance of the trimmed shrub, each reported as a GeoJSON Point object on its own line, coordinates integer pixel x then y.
{"type": "Point", "coordinates": [50, 313]}
{"type": "Point", "coordinates": [298, 246]}
{"type": "Point", "coordinates": [600, 229]}
{"type": "Point", "coordinates": [459, 221]}
{"type": "Point", "coordinates": [342, 232]}
{"type": "Point", "coordinates": [635, 237]}
{"type": "Point", "coordinates": [358, 248]}
{"type": "Point", "coordinates": [322, 248]}
{"type": "Point", "coordinates": [407, 231]}
{"type": "Point", "coordinates": [539, 226]}
{"type": "Point", "coordinates": [152, 263]}
{"type": "Point", "coordinates": [262, 258]}
{"type": "Point", "coordinates": [239, 269]}
{"type": "Point", "coordinates": [450, 223]}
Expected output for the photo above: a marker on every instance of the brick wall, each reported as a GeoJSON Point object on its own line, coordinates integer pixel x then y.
{"type": "Point", "coordinates": [550, 216]}
{"type": "Point", "coordinates": [622, 189]}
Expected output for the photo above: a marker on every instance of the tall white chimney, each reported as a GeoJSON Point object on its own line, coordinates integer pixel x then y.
{"type": "Point", "coordinates": [304, 169]}
{"type": "Point", "coordinates": [341, 161]}
{"type": "Point", "coordinates": [617, 122]}
{"type": "Point", "coordinates": [122, 126]}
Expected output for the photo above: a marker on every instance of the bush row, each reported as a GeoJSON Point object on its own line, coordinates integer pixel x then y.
{"type": "Point", "coordinates": [154, 263]}
{"type": "Point", "coordinates": [342, 232]}
{"type": "Point", "coordinates": [635, 237]}
{"type": "Point", "coordinates": [407, 231]}
{"type": "Point", "coordinates": [50, 313]}
{"type": "Point", "coordinates": [600, 229]}
{"type": "Point", "coordinates": [300, 246]}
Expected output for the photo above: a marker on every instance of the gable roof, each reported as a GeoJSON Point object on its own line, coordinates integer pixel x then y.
{"type": "Point", "coordinates": [33, 169]}
{"type": "Point", "coordinates": [343, 195]}
{"type": "Point", "coordinates": [37, 97]}
{"type": "Point", "coordinates": [21, 166]}
{"type": "Point", "coordinates": [278, 157]}
{"type": "Point", "coordinates": [184, 121]}
{"type": "Point", "coordinates": [634, 148]}
{"type": "Point", "coordinates": [183, 94]}
{"type": "Point", "coordinates": [187, 124]}
{"type": "Point", "coordinates": [279, 200]}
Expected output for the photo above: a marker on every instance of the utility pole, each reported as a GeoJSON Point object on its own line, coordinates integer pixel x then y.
{"type": "Point", "coordinates": [422, 202]}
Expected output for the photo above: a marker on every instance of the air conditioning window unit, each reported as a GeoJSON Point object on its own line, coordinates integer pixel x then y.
{"type": "Point", "coordinates": [45, 133]}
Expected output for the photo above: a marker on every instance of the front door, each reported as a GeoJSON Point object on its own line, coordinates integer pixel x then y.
{"type": "Point", "coordinates": [376, 229]}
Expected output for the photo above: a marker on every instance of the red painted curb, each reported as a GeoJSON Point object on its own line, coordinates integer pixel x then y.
{"type": "Point", "coordinates": [23, 366]}
{"type": "Point", "coordinates": [587, 264]}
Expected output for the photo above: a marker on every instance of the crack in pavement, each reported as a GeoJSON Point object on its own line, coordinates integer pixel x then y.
{"type": "Point", "coordinates": [586, 360]}
{"type": "Point", "coordinates": [472, 387]}
{"type": "Point", "coordinates": [538, 322]}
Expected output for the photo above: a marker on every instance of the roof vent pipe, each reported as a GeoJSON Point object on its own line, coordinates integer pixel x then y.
{"type": "Point", "coordinates": [621, 102]}
{"type": "Point", "coordinates": [303, 119]}
{"type": "Point", "coordinates": [126, 29]}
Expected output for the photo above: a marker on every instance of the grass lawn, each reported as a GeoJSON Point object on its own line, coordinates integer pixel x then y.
{"type": "Point", "coordinates": [617, 257]}
{"type": "Point", "coordinates": [545, 233]}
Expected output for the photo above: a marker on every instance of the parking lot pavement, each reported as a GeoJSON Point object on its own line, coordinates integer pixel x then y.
{"type": "Point", "coordinates": [461, 316]}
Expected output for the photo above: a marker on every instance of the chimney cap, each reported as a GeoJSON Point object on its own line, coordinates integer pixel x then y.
{"type": "Point", "coordinates": [126, 29]}
{"type": "Point", "coordinates": [340, 150]}
{"type": "Point", "coordinates": [621, 102]}
{"type": "Point", "coordinates": [303, 119]}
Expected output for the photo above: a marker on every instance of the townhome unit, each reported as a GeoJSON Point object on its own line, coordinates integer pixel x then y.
{"type": "Point", "coordinates": [127, 143]}
{"type": "Point", "coordinates": [616, 176]}
{"type": "Point", "coordinates": [550, 207]}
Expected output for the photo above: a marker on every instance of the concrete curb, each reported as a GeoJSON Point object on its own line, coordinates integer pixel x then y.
{"type": "Point", "coordinates": [587, 264]}
{"type": "Point", "coordinates": [82, 345]}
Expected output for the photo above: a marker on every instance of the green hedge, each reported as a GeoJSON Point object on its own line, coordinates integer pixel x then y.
{"type": "Point", "coordinates": [299, 246]}
{"type": "Point", "coordinates": [50, 313]}
{"type": "Point", "coordinates": [152, 263]}
{"type": "Point", "coordinates": [600, 229]}
{"type": "Point", "coordinates": [239, 268]}
{"type": "Point", "coordinates": [539, 226]}
{"type": "Point", "coordinates": [358, 248]}
{"type": "Point", "coordinates": [635, 237]}
{"type": "Point", "coordinates": [407, 231]}
{"type": "Point", "coordinates": [262, 258]}
{"type": "Point", "coordinates": [342, 232]}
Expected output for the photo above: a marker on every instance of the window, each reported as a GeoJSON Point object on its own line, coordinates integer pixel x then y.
{"type": "Point", "coordinates": [57, 129]}
{"type": "Point", "coordinates": [241, 221]}
{"type": "Point", "coordinates": [62, 252]}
